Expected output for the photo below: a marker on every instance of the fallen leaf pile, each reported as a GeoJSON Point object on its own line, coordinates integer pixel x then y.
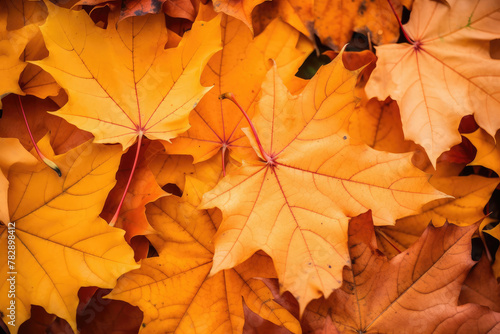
{"type": "Point", "coordinates": [166, 168]}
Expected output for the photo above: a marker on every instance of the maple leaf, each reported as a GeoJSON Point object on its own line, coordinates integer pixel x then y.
{"type": "Point", "coordinates": [488, 152]}
{"type": "Point", "coordinates": [267, 11]}
{"type": "Point", "coordinates": [140, 7]}
{"type": "Point", "coordinates": [495, 233]}
{"type": "Point", "coordinates": [171, 169]}
{"type": "Point", "coordinates": [481, 286]}
{"type": "Point", "coordinates": [256, 324]}
{"type": "Point", "coordinates": [239, 9]}
{"type": "Point", "coordinates": [64, 136]}
{"type": "Point", "coordinates": [12, 152]}
{"type": "Point", "coordinates": [33, 80]}
{"type": "Point", "coordinates": [24, 12]}
{"type": "Point", "coordinates": [378, 124]}
{"type": "Point", "coordinates": [335, 27]}
{"type": "Point", "coordinates": [334, 21]}
{"type": "Point", "coordinates": [121, 82]}
{"type": "Point", "coordinates": [129, 8]}
{"type": "Point", "coordinates": [444, 74]}
{"type": "Point", "coordinates": [470, 195]}
{"type": "Point", "coordinates": [143, 189]}
{"type": "Point", "coordinates": [175, 291]}
{"type": "Point", "coordinates": [186, 9]}
{"type": "Point", "coordinates": [417, 289]}
{"type": "Point", "coordinates": [12, 44]}
{"type": "Point", "coordinates": [239, 67]}
{"type": "Point", "coordinates": [60, 242]}
{"type": "Point", "coordinates": [295, 205]}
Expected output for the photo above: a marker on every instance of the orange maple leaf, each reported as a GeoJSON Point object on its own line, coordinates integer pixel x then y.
{"type": "Point", "coordinates": [334, 21]}
{"type": "Point", "coordinates": [143, 190]}
{"type": "Point", "coordinates": [60, 242]}
{"type": "Point", "coordinates": [444, 74]}
{"type": "Point", "coordinates": [185, 297]}
{"type": "Point", "coordinates": [12, 152]}
{"type": "Point", "coordinates": [239, 67]}
{"type": "Point", "coordinates": [416, 290]}
{"type": "Point", "coordinates": [239, 9]}
{"type": "Point", "coordinates": [12, 45]}
{"type": "Point", "coordinates": [294, 204]}
{"type": "Point", "coordinates": [33, 80]}
{"type": "Point", "coordinates": [488, 149]}
{"type": "Point", "coordinates": [471, 193]}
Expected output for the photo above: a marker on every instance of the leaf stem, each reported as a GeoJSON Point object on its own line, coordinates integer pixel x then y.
{"type": "Point", "coordinates": [408, 38]}
{"type": "Point", "coordinates": [117, 213]}
{"type": "Point", "coordinates": [223, 154]}
{"type": "Point", "coordinates": [388, 240]}
{"type": "Point", "coordinates": [47, 161]}
{"type": "Point", "coordinates": [230, 96]}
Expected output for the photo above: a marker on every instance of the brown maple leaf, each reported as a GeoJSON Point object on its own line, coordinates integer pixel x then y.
{"type": "Point", "coordinates": [416, 291]}
{"type": "Point", "coordinates": [481, 286]}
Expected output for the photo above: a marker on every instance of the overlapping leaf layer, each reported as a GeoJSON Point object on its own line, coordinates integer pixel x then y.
{"type": "Point", "coordinates": [178, 166]}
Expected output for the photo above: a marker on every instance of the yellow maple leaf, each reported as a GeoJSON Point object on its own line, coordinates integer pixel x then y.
{"type": "Point", "coordinates": [121, 82]}
{"type": "Point", "coordinates": [471, 193]}
{"type": "Point", "coordinates": [12, 44]}
{"type": "Point", "coordinates": [12, 152]}
{"type": "Point", "coordinates": [61, 244]}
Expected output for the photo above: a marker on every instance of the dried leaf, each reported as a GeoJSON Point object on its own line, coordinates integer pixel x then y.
{"type": "Point", "coordinates": [417, 289]}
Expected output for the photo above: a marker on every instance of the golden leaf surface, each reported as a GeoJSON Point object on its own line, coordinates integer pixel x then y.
{"type": "Point", "coordinates": [175, 291]}
{"type": "Point", "coordinates": [61, 244]}
{"type": "Point", "coordinates": [445, 74]}
{"type": "Point", "coordinates": [296, 206]}
{"type": "Point", "coordinates": [121, 82]}
{"type": "Point", "coordinates": [488, 152]}
{"type": "Point", "coordinates": [471, 193]}
{"type": "Point", "coordinates": [12, 152]}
